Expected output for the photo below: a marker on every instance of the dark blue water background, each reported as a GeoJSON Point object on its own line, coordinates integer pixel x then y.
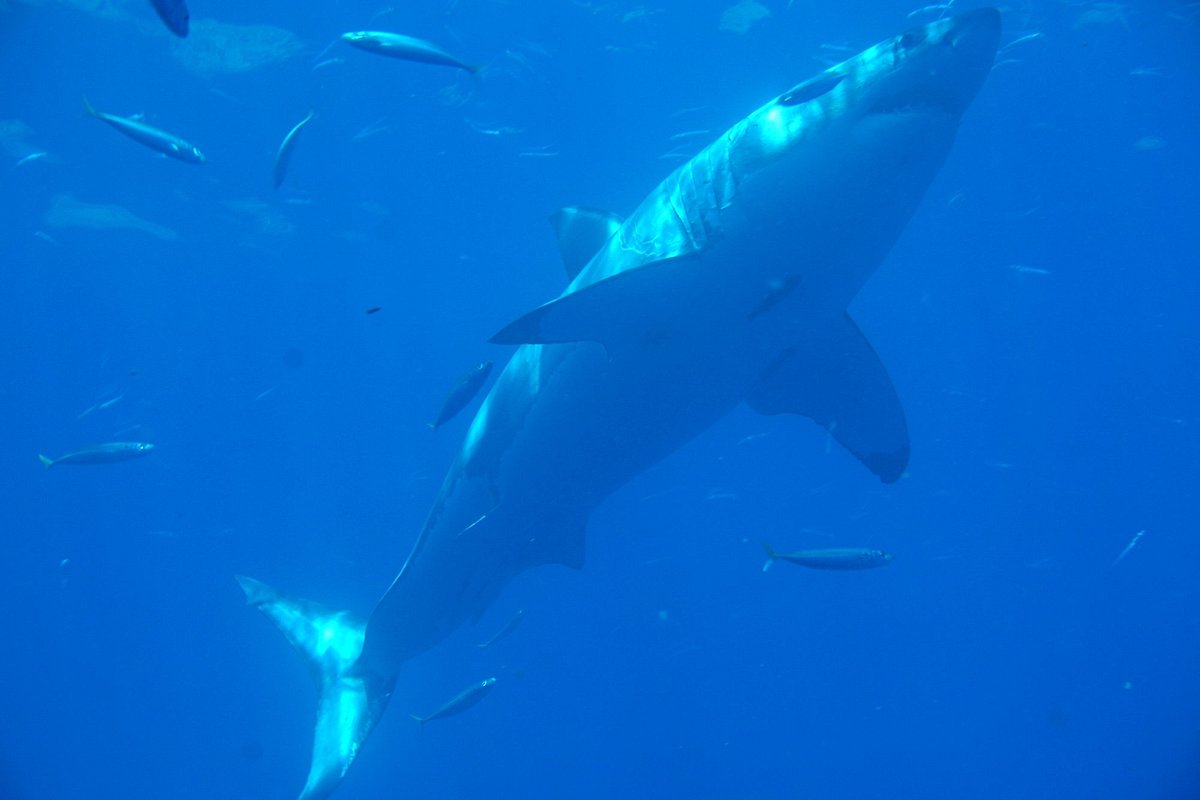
{"type": "Point", "coordinates": [1039, 318]}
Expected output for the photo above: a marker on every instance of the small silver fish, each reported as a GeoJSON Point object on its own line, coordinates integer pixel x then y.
{"type": "Point", "coordinates": [508, 628]}
{"type": "Point", "coordinates": [777, 291]}
{"type": "Point", "coordinates": [1129, 547]}
{"type": "Point", "coordinates": [463, 392]}
{"type": "Point", "coordinates": [107, 453]}
{"type": "Point", "coordinates": [165, 143]}
{"type": "Point", "coordinates": [460, 702]}
{"type": "Point", "coordinates": [29, 159]}
{"type": "Point", "coordinates": [831, 558]}
{"type": "Point", "coordinates": [372, 130]}
{"type": "Point", "coordinates": [939, 9]}
{"type": "Point", "coordinates": [1027, 270]}
{"type": "Point", "coordinates": [111, 401]}
{"type": "Point", "coordinates": [1029, 37]}
{"type": "Point", "coordinates": [408, 48]}
{"type": "Point", "coordinates": [329, 62]}
{"type": "Point", "coordinates": [284, 155]}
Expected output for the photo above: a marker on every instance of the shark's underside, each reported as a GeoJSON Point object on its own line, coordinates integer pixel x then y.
{"type": "Point", "coordinates": [728, 284]}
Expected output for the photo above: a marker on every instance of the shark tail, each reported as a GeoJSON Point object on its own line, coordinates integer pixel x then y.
{"type": "Point", "coordinates": [771, 556]}
{"type": "Point", "coordinates": [350, 701]}
{"type": "Point", "coordinates": [46, 462]}
{"type": "Point", "coordinates": [87, 107]}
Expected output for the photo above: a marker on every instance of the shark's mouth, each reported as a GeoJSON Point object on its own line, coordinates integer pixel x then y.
{"type": "Point", "coordinates": [921, 101]}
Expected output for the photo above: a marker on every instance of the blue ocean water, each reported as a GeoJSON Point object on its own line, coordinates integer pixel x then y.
{"type": "Point", "coordinates": [1038, 317]}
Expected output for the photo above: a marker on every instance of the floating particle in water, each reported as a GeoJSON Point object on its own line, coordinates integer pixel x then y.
{"type": "Point", "coordinates": [293, 358]}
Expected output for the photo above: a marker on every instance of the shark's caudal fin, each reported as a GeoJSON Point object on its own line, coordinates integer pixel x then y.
{"type": "Point", "coordinates": [350, 703]}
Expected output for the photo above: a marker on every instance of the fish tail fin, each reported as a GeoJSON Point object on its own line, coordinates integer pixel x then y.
{"type": "Point", "coordinates": [350, 699]}
{"type": "Point", "coordinates": [433, 426]}
{"type": "Point", "coordinates": [87, 108]}
{"type": "Point", "coordinates": [421, 720]}
{"type": "Point", "coordinates": [771, 556]}
{"type": "Point", "coordinates": [46, 462]}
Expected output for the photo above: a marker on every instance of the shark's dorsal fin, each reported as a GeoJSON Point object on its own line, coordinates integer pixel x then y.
{"type": "Point", "coordinates": [835, 378]}
{"type": "Point", "coordinates": [581, 232]}
{"type": "Point", "coordinates": [611, 309]}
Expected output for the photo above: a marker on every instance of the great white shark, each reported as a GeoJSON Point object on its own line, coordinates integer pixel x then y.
{"type": "Point", "coordinates": [728, 284]}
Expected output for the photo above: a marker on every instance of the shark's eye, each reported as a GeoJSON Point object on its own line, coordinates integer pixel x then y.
{"type": "Point", "coordinates": [911, 39]}
{"type": "Point", "coordinates": [811, 90]}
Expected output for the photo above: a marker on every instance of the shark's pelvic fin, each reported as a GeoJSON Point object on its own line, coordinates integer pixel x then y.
{"type": "Point", "coordinates": [835, 378]}
{"type": "Point", "coordinates": [581, 233]}
{"type": "Point", "coordinates": [562, 543]}
{"type": "Point", "coordinates": [605, 311]}
{"type": "Point", "coordinates": [350, 702]}
{"type": "Point", "coordinates": [771, 556]}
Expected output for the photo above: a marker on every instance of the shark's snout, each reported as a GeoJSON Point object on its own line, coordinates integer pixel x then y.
{"type": "Point", "coordinates": [974, 37]}
{"type": "Point", "coordinates": [982, 22]}
{"type": "Point", "coordinates": [944, 64]}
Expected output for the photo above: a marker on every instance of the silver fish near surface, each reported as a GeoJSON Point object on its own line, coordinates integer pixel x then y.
{"type": "Point", "coordinates": [460, 702]}
{"type": "Point", "coordinates": [462, 394]}
{"type": "Point", "coordinates": [166, 143]}
{"type": "Point", "coordinates": [655, 340]}
{"type": "Point", "coordinates": [283, 156]}
{"type": "Point", "coordinates": [408, 48]}
{"type": "Point", "coordinates": [838, 558]}
{"type": "Point", "coordinates": [174, 14]}
{"type": "Point", "coordinates": [107, 453]}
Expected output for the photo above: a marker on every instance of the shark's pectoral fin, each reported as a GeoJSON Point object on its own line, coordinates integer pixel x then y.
{"type": "Point", "coordinates": [546, 544]}
{"type": "Point", "coordinates": [581, 233]}
{"type": "Point", "coordinates": [350, 702]}
{"type": "Point", "coordinates": [615, 308]}
{"type": "Point", "coordinates": [835, 378]}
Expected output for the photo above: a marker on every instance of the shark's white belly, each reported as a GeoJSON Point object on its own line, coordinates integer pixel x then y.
{"type": "Point", "coordinates": [565, 425]}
